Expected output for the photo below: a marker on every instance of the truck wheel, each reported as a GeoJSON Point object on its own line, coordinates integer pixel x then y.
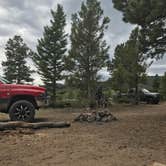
{"type": "Point", "coordinates": [150, 101]}
{"type": "Point", "coordinates": [22, 111]}
{"type": "Point", "coordinates": [156, 102]}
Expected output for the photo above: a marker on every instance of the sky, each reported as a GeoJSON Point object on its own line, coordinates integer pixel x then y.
{"type": "Point", "coordinates": [28, 17]}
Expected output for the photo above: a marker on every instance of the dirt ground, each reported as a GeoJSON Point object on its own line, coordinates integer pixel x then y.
{"type": "Point", "coordinates": [138, 138]}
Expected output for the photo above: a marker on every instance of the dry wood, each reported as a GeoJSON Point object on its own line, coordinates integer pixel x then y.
{"type": "Point", "coordinates": [14, 125]}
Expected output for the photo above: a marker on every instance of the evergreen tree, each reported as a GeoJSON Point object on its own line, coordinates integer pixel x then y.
{"type": "Point", "coordinates": [156, 83]}
{"type": "Point", "coordinates": [163, 86]}
{"type": "Point", "coordinates": [132, 61]}
{"type": "Point", "coordinates": [118, 69]}
{"type": "Point", "coordinates": [51, 51]}
{"type": "Point", "coordinates": [15, 68]}
{"type": "Point", "coordinates": [150, 15]}
{"type": "Point", "coordinates": [89, 52]}
{"type": "Point", "coordinates": [118, 80]}
{"type": "Point", "coordinates": [136, 59]}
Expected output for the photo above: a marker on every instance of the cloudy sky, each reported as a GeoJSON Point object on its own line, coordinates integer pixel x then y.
{"type": "Point", "coordinates": [27, 18]}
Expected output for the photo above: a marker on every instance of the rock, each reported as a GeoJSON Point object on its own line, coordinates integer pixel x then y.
{"type": "Point", "coordinates": [98, 116]}
{"type": "Point", "coordinates": [91, 117]}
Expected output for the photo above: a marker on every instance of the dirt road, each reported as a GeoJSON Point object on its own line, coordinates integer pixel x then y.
{"type": "Point", "coordinates": [138, 138]}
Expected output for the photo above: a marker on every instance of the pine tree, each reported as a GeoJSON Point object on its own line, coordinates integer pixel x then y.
{"type": "Point", "coordinates": [15, 68]}
{"type": "Point", "coordinates": [132, 61]}
{"type": "Point", "coordinates": [118, 69]}
{"type": "Point", "coordinates": [89, 52]}
{"type": "Point", "coordinates": [156, 83]}
{"type": "Point", "coordinates": [118, 80]}
{"type": "Point", "coordinates": [136, 59]}
{"type": "Point", "coordinates": [51, 51]}
{"type": "Point", "coordinates": [151, 17]}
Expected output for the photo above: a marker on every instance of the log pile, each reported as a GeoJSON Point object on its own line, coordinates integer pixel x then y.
{"type": "Point", "coordinates": [96, 116]}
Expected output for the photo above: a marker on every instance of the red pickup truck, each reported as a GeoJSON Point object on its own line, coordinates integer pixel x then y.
{"type": "Point", "coordinates": [21, 101]}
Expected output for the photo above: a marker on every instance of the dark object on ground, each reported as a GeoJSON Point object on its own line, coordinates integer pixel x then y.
{"type": "Point", "coordinates": [95, 116]}
{"type": "Point", "coordinates": [145, 95]}
{"type": "Point", "coordinates": [17, 124]}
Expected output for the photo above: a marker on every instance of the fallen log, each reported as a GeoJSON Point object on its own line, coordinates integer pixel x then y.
{"type": "Point", "coordinates": [15, 125]}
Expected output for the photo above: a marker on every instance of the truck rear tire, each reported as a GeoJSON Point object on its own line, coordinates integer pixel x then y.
{"type": "Point", "coordinates": [22, 110]}
{"type": "Point", "coordinates": [156, 101]}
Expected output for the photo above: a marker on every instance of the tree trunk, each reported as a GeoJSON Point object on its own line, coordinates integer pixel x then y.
{"type": "Point", "coordinates": [89, 91]}
{"type": "Point", "coordinates": [136, 90]}
{"type": "Point", "coordinates": [14, 125]}
{"type": "Point", "coordinates": [18, 80]}
{"type": "Point", "coordinates": [54, 92]}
